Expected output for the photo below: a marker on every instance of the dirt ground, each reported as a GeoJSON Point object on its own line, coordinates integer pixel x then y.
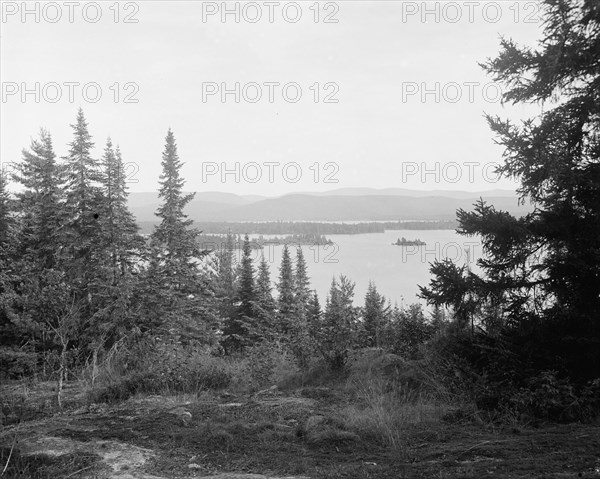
{"type": "Point", "coordinates": [274, 435]}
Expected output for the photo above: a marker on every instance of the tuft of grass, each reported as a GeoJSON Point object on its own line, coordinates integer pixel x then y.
{"type": "Point", "coordinates": [383, 409]}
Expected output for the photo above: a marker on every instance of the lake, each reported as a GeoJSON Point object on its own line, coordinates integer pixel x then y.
{"type": "Point", "coordinates": [396, 270]}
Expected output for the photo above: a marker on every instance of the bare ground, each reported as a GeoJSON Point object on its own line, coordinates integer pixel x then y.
{"type": "Point", "coordinates": [272, 435]}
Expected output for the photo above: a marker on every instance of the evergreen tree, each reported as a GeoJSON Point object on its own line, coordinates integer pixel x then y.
{"type": "Point", "coordinates": [10, 334]}
{"type": "Point", "coordinates": [241, 330]}
{"type": "Point", "coordinates": [39, 204]}
{"type": "Point", "coordinates": [337, 332]}
{"type": "Point", "coordinates": [314, 308]}
{"type": "Point", "coordinates": [299, 343]}
{"type": "Point", "coordinates": [174, 242]}
{"type": "Point", "coordinates": [301, 287]}
{"type": "Point", "coordinates": [542, 269]}
{"type": "Point", "coordinates": [176, 294]}
{"type": "Point", "coordinates": [225, 278]}
{"type": "Point", "coordinates": [118, 223]}
{"type": "Point", "coordinates": [407, 330]}
{"type": "Point", "coordinates": [265, 304]}
{"type": "Point", "coordinates": [374, 316]}
{"type": "Point", "coordinates": [285, 288]}
{"type": "Point", "coordinates": [124, 248]}
{"type": "Point", "coordinates": [83, 252]}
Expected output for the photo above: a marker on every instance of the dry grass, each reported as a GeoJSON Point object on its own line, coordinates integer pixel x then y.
{"type": "Point", "coordinates": [383, 410]}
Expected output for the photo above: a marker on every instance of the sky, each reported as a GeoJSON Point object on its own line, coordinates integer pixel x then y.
{"type": "Point", "coordinates": [310, 96]}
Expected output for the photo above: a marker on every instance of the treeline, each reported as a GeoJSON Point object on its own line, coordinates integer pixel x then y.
{"type": "Point", "coordinates": [77, 278]}
{"type": "Point", "coordinates": [214, 241]}
{"type": "Point", "coordinates": [311, 228]}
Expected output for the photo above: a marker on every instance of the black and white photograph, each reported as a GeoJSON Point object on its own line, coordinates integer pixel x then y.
{"type": "Point", "coordinates": [302, 239]}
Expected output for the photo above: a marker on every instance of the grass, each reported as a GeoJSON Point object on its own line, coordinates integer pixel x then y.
{"type": "Point", "coordinates": [383, 412]}
{"type": "Point", "coordinates": [383, 418]}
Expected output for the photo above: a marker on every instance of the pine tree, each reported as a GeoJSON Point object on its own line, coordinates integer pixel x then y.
{"type": "Point", "coordinates": [285, 288]}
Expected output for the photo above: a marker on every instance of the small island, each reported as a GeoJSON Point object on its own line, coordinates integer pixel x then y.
{"type": "Point", "coordinates": [404, 242]}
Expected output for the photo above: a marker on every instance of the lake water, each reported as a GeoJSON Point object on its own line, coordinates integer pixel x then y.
{"type": "Point", "coordinates": [396, 270]}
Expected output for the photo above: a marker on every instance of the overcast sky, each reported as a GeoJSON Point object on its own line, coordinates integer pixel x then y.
{"type": "Point", "coordinates": [375, 61]}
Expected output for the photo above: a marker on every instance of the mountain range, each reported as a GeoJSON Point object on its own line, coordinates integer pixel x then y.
{"type": "Point", "coordinates": [345, 204]}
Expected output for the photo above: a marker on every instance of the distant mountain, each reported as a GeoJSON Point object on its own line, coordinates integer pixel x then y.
{"type": "Point", "coordinates": [348, 204]}
{"type": "Point", "coordinates": [414, 193]}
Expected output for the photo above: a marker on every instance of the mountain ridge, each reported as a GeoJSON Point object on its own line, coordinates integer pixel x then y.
{"type": "Point", "coordinates": [392, 205]}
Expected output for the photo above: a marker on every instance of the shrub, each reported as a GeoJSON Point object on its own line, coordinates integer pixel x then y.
{"type": "Point", "coordinates": [167, 368]}
{"type": "Point", "coordinates": [552, 398]}
{"type": "Point", "coordinates": [16, 363]}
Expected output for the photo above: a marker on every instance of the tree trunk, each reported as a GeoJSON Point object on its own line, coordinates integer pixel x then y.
{"type": "Point", "coordinates": [61, 374]}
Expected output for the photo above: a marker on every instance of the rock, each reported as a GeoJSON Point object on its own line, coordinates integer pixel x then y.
{"type": "Point", "coordinates": [320, 429]}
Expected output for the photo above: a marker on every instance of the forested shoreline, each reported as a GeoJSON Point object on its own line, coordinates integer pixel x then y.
{"type": "Point", "coordinates": [309, 227]}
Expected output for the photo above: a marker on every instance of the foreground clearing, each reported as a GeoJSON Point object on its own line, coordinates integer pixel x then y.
{"type": "Point", "coordinates": [275, 435]}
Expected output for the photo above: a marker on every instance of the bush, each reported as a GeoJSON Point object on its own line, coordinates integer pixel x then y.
{"type": "Point", "coordinates": [161, 368]}
{"type": "Point", "coordinates": [549, 397]}
{"type": "Point", "coordinates": [261, 362]}
{"type": "Point", "coordinates": [16, 363]}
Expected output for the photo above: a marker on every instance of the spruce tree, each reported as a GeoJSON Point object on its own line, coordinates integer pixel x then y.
{"type": "Point", "coordinates": [119, 226]}
{"type": "Point", "coordinates": [337, 332]}
{"type": "Point", "coordinates": [301, 287]}
{"type": "Point", "coordinates": [541, 271]}
{"type": "Point", "coordinates": [265, 304]}
{"type": "Point", "coordinates": [374, 316]}
{"type": "Point", "coordinates": [176, 293]}
{"type": "Point", "coordinates": [124, 248]}
{"type": "Point", "coordinates": [9, 332]}
{"type": "Point", "coordinates": [241, 330]}
{"type": "Point", "coordinates": [173, 241]}
{"type": "Point", "coordinates": [299, 341]}
{"type": "Point", "coordinates": [314, 308]}
{"type": "Point", "coordinates": [285, 288]}
{"type": "Point", "coordinates": [83, 257]}
{"type": "Point", "coordinates": [224, 283]}
{"type": "Point", "coordinates": [40, 204]}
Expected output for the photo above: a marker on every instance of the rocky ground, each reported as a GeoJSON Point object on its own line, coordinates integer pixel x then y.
{"type": "Point", "coordinates": [272, 434]}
